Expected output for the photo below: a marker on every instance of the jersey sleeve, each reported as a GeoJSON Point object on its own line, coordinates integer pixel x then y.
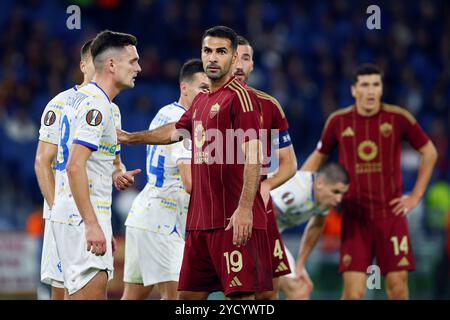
{"type": "Point", "coordinates": [185, 121]}
{"type": "Point", "coordinates": [117, 122]}
{"type": "Point", "coordinates": [281, 124]}
{"type": "Point", "coordinates": [246, 114]}
{"type": "Point", "coordinates": [412, 131]}
{"type": "Point", "coordinates": [181, 151]}
{"type": "Point", "coordinates": [328, 140]}
{"type": "Point", "coordinates": [49, 130]}
{"type": "Point", "coordinates": [93, 119]}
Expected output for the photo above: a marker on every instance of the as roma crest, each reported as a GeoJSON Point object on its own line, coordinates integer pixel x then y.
{"type": "Point", "coordinates": [214, 109]}
{"type": "Point", "coordinates": [386, 129]}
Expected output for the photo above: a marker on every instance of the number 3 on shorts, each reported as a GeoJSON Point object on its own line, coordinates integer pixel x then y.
{"type": "Point", "coordinates": [234, 259]}
{"type": "Point", "coordinates": [403, 246]}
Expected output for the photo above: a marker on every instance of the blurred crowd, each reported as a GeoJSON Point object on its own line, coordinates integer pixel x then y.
{"type": "Point", "coordinates": [305, 53]}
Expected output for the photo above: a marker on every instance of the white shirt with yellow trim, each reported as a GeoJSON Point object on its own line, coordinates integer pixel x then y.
{"type": "Point", "coordinates": [164, 189]}
{"type": "Point", "coordinates": [88, 119]}
{"type": "Point", "coordinates": [49, 130]}
{"type": "Point", "coordinates": [295, 201]}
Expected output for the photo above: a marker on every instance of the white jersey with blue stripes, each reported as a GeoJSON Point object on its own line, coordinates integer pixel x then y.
{"type": "Point", "coordinates": [90, 119]}
{"type": "Point", "coordinates": [49, 130]}
{"type": "Point", "coordinates": [163, 180]}
{"type": "Point", "coordinates": [295, 201]}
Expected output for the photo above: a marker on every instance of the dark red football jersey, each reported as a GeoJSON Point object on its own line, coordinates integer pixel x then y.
{"type": "Point", "coordinates": [219, 123]}
{"type": "Point", "coordinates": [273, 118]}
{"type": "Point", "coordinates": [370, 149]}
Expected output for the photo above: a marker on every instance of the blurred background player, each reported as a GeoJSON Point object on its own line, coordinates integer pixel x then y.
{"type": "Point", "coordinates": [273, 118]}
{"type": "Point", "coordinates": [155, 227]}
{"type": "Point", "coordinates": [307, 196]}
{"type": "Point", "coordinates": [51, 269]}
{"type": "Point", "coordinates": [226, 246]}
{"type": "Point", "coordinates": [87, 160]}
{"type": "Point", "coordinates": [369, 135]}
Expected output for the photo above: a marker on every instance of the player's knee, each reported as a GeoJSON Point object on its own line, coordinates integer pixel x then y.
{"type": "Point", "coordinates": [353, 293]}
{"type": "Point", "coordinates": [397, 291]}
{"type": "Point", "coordinates": [267, 295]}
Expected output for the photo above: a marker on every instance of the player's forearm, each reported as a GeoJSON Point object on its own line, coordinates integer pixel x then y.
{"type": "Point", "coordinates": [314, 161]}
{"type": "Point", "coordinates": [46, 179]}
{"type": "Point", "coordinates": [165, 134]}
{"type": "Point", "coordinates": [429, 158]}
{"type": "Point", "coordinates": [119, 167]}
{"type": "Point", "coordinates": [79, 186]}
{"type": "Point", "coordinates": [252, 151]}
{"type": "Point", "coordinates": [309, 240]}
{"type": "Point", "coordinates": [286, 170]}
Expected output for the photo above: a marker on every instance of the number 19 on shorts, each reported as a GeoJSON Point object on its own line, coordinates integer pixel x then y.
{"type": "Point", "coordinates": [233, 260]}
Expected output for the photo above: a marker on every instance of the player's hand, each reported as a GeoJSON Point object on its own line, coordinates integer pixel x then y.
{"type": "Point", "coordinates": [123, 180]}
{"type": "Point", "coordinates": [305, 285]}
{"type": "Point", "coordinates": [122, 136]}
{"type": "Point", "coordinates": [95, 239]}
{"type": "Point", "coordinates": [404, 204]}
{"type": "Point", "coordinates": [242, 223]}
{"type": "Point", "coordinates": [113, 245]}
{"type": "Point", "coordinates": [265, 192]}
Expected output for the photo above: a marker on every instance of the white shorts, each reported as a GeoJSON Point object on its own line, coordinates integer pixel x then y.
{"type": "Point", "coordinates": [80, 265]}
{"type": "Point", "coordinates": [292, 263]}
{"type": "Point", "coordinates": [152, 258]}
{"type": "Point", "coordinates": [51, 267]}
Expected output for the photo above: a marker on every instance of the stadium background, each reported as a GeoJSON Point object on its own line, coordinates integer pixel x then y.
{"type": "Point", "coordinates": [305, 52]}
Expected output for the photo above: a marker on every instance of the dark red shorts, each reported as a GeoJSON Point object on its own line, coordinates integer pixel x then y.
{"type": "Point", "coordinates": [387, 240]}
{"type": "Point", "coordinates": [280, 263]}
{"type": "Point", "coordinates": [212, 263]}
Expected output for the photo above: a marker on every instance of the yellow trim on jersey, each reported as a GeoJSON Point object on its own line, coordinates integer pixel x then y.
{"type": "Point", "coordinates": [57, 102]}
{"type": "Point", "coordinates": [263, 95]}
{"type": "Point", "coordinates": [242, 94]}
{"type": "Point", "coordinates": [338, 113]}
{"type": "Point", "coordinates": [398, 110]}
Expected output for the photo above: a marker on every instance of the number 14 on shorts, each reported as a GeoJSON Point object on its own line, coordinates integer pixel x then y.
{"type": "Point", "coordinates": [400, 246]}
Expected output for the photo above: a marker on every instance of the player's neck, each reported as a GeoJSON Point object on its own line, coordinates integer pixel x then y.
{"type": "Point", "coordinates": [217, 84]}
{"type": "Point", "coordinates": [107, 86]}
{"type": "Point", "coordinates": [367, 112]}
{"type": "Point", "coordinates": [182, 102]}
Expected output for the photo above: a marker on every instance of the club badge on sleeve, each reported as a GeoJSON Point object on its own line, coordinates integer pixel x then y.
{"type": "Point", "coordinates": [94, 117]}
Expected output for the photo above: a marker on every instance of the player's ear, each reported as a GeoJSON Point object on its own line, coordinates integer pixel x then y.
{"type": "Point", "coordinates": [82, 66]}
{"type": "Point", "coordinates": [183, 88]}
{"type": "Point", "coordinates": [353, 90]}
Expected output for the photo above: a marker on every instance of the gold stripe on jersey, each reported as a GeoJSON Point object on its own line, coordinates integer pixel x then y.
{"type": "Point", "coordinates": [245, 91]}
{"type": "Point", "coordinates": [398, 110]}
{"type": "Point", "coordinates": [338, 113]}
{"type": "Point", "coordinates": [240, 91]}
{"type": "Point", "coordinates": [57, 102]}
{"type": "Point", "coordinates": [265, 96]}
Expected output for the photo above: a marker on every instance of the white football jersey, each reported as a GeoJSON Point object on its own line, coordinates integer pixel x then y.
{"type": "Point", "coordinates": [89, 119]}
{"type": "Point", "coordinates": [163, 181]}
{"type": "Point", "coordinates": [49, 130]}
{"type": "Point", "coordinates": [295, 201]}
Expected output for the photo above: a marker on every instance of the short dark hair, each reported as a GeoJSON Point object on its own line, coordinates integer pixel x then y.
{"type": "Point", "coordinates": [366, 69]}
{"type": "Point", "coordinates": [86, 49]}
{"type": "Point", "coordinates": [109, 39]}
{"type": "Point", "coordinates": [243, 41]}
{"type": "Point", "coordinates": [189, 68]}
{"type": "Point", "coordinates": [222, 32]}
{"type": "Point", "coordinates": [334, 173]}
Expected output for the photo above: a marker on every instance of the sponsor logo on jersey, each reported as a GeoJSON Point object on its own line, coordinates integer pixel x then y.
{"type": "Point", "coordinates": [235, 282]}
{"type": "Point", "coordinates": [348, 132]}
{"type": "Point", "coordinates": [346, 260]}
{"type": "Point", "coordinates": [288, 198]}
{"type": "Point", "coordinates": [281, 267]}
{"type": "Point", "coordinates": [367, 150]}
{"type": "Point", "coordinates": [50, 118]}
{"type": "Point", "coordinates": [199, 135]}
{"type": "Point", "coordinates": [403, 262]}
{"type": "Point", "coordinates": [386, 129]}
{"type": "Point", "coordinates": [94, 117]}
{"type": "Point", "coordinates": [214, 110]}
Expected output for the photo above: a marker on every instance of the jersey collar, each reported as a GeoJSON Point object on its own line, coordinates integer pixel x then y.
{"type": "Point", "coordinates": [95, 84]}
